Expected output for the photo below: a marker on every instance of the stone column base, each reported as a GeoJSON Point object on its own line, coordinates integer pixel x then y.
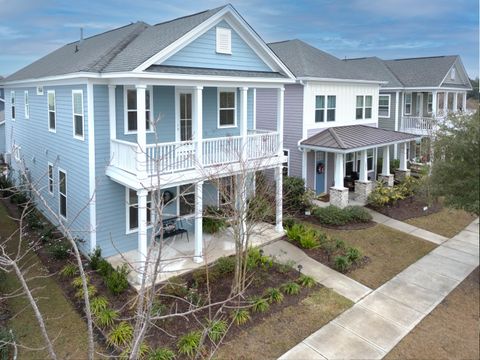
{"type": "Point", "coordinates": [387, 179]}
{"type": "Point", "coordinates": [362, 190]}
{"type": "Point", "coordinates": [339, 197]}
{"type": "Point", "coordinates": [400, 175]}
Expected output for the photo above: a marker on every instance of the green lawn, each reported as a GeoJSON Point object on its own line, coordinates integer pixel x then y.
{"type": "Point", "coordinates": [63, 323]}
{"type": "Point", "coordinates": [446, 222]}
{"type": "Point", "coordinates": [285, 329]}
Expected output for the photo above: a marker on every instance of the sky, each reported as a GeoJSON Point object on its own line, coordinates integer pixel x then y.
{"type": "Point", "coordinates": [389, 29]}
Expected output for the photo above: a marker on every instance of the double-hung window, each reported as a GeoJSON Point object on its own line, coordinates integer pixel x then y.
{"type": "Point", "coordinates": [430, 103]}
{"type": "Point", "coordinates": [384, 106]}
{"type": "Point", "coordinates": [52, 120]}
{"type": "Point", "coordinates": [349, 163]}
{"type": "Point", "coordinates": [408, 104]}
{"type": "Point", "coordinates": [50, 178]}
{"type": "Point", "coordinates": [26, 104]}
{"type": "Point", "coordinates": [323, 109]}
{"type": "Point", "coordinates": [226, 108]}
{"type": "Point", "coordinates": [12, 103]}
{"type": "Point", "coordinates": [77, 109]}
{"type": "Point", "coordinates": [369, 160]}
{"type": "Point", "coordinates": [131, 99]}
{"type": "Point", "coordinates": [62, 193]}
{"type": "Point", "coordinates": [132, 209]}
{"type": "Point", "coordinates": [186, 199]}
{"type": "Point", "coordinates": [364, 107]}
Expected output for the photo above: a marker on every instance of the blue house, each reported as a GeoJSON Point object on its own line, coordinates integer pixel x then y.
{"type": "Point", "coordinates": [102, 122]}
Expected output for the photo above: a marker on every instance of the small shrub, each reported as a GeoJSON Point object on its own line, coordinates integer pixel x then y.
{"type": "Point", "coordinates": [332, 215]}
{"type": "Point", "coordinates": [212, 225]}
{"type": "Point", "coordinates": [353, 254]}
{"type": "Point", "coordinates": [342, 263]}
{"type": "Point", "coordinates": [92, 291]}
{"type": "Point", "coordinates": [260, 208]}
{"type": "Point", "coordinates": [241, 316]}
{"type": "Point", "coordinates": [293, 195]}
{"type": "Point", "coordinates": [217, 329]}
{"type": "Point", "coordinates": [161, 354]}
{"type": "Point", "coordinates": [69, 270]}
{"type": "Point", "coordinates": [286, 266]}
{"type": "Point", "coordinates": [274, 295]}
{"type": "Point", "coordinates": [260, 304]}
{"type": "Point", "coordinates": [309, 239]}
{"type": "Point", "coordinates": [159, 309]}
{"type": "Point", "coordinates": [47, 234]}
{"type": "Point", "coordinates": [120, 335]}
{"type": "Point", "coordinates": [176, 287]}
{"type": "Point", "coordinates": [106, 317]}
{"type": "Point", "coordinates": [291, 288]}
{"type": "Point", "coordinates": [117, 281]}
{"type": "Point", "coordinates": [104, 268]}
{"type": "Point", "coordinates": [225, 265]}
{"type": "Point", "coordinates": [255, 258]}
{"type": "Point", "coordinates": [295, 232]}
{"type": "Point", "coordinates": [77, 282]}
{"type": "Point", "coordinates": [189, 344]}
{"type": "Point", "coordinates": [143, 350]}
{"type": "Point", "coordinates": [59, 251]}
{"type": "Point", "coordinates": [306, 281]}
{"type": "Point", "coordinates": [358, 214]}
{"type": "Point", "coordinates": [34, 220]}
{"type": "Point", "coordinates": [289, 222]}
{"type": "Point", "coordinates": [98, 304]}
{"type": "Point", "coordinates": [384, 195]}
{"type": "Point", "coordinates": [95, 257]}
{"type": "Point", "coordinates": [340, 244]}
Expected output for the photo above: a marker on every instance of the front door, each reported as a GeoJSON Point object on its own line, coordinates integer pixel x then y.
{"type": "Point", "coordinates": [320, 166]}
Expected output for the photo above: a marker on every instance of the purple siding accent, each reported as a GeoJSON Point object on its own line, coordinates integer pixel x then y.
{"type": "Point", "coordinates": [311, 170]}
{"type": "Point", "coordinates": [266, 109]}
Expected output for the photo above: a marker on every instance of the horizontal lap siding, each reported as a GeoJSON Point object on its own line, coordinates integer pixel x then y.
{"type": "Point", "coordinates": [388, 123]}
{"type": "Point", "coordinates": [39, 146]}
{"type": "Point", "coordinates": [202, 53]}
{"type": "Point", "coordinates": [2, 138]}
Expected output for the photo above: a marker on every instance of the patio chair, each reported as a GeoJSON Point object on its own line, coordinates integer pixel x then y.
{"type": "Point", "coordinates": [173, 227]}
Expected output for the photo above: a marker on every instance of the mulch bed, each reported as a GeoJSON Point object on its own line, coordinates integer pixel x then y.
{"type": "Point", "coordinates": [351, 226]}
{"type": "Point", "coordinates": [411, 207]}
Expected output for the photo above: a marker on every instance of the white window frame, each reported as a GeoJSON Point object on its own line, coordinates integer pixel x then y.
{"type": "Point", "coordinates": [180, 195]}
{"type": "Point", "coordinates": [54, 130]}
{"type": "Point", "coordinates": [327, 108]}
{"type": "Point", "coordinates": [79, 137]}
{"type": "Point", "coordinates": [389, 105]}
{"type": "Point", "coordinates": [126, 110]}
{"type": "Point", "coordinates": [220, 90]}
{"type": "Point", "coordinates": [324, 108]}
{"type": "Point", "coordinates": [364, 107]}
{"type": "Point", "coordinates": [39, 90]}
{"type": "Point", "coordinates": [16, 152]}
{"type": "Point", "coordinates": [13, 107]}
{"type": "Point", "coordinates": [26, 104]}
{"type": "Point", "coordinates": [223, 32]}
{"type": "Point", "coordinates": [429, 103]}
{"type": "Point", "coordinates": [286, 152]}
{"type": "Point", "coordinates": [50, 178]}
{"type": "Point", "coordinates": [128, 206]}
{"type": "Point", "coordinates": [373, 159]}
{"type": "Point", "coordinates": [60, 194]}
{"type": "Point", "coordinates": [409, 103]}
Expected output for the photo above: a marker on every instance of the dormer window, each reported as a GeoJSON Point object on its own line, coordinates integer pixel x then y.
{"type": "Point", "coordinates": [224, 41]}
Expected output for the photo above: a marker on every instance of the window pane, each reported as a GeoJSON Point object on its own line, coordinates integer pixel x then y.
{"type": "Point", "coordinates": [227, 117]}
{"type": "Point", "coordinates": [368, 113]}
{"type": "Point", "coordinates": [77, 103]}
{"type": "Point", "coordinates": [383, 101]}
{"type": "Point", "coordinates": [349, 168]}
{"type": "Point", "coordinates": [51, 101]}
{"type": "Point", "coordinates": [133, 215]}
{"type": "Point", "coordinates": [147, 99]}
{"type": "Point", "coordinates": [132, 121]}
{"type": "Point", "coordinates": [51, 116]}
{"type": "Point", "coordinates": [359, 113]}
{"type": "Point", "coordinates": [349, 157]}
{"type": "Point", "coordinates": [131, 99]}
{"type": "Point", "coordinates": [331, 102]}
{"type": "Point", "coordinates": [62, 182]}
{"type": "Point", "coordinates": [359, 101]}
{"type": "Point", "coordinates": [320, 102]}
{"type": "Point", "coordinates": [187, 204]}
{"type": "Point", "coordinates": [370, 163]}
{"type": "Point", "coordinates": [63, 205]}
{"type": "Point", "coordinates": [331, 115]}
{"type": "Point", "coordinates": [319, 115]}
{"type": "Point", "coordinates": [13, 112]}
{"type": "Point", "coordinates": [79, 125]}
{"type": "Point", "coordinates": [368, 101]}
{"type": "Point", "coordinates": [188, 99]}
{"type": "Point", "coordinates": [132, 197]}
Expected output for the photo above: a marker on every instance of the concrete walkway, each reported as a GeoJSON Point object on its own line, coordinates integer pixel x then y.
{"type": "Point", "coordinates": [345, 286]}
{"type": "Point", "coordinates": [406, 228]}
{"type": "Point", "coordinates": [374, 325]}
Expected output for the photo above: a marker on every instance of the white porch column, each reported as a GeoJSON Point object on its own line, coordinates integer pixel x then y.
{"type": "Point", "coordinates": [304, 166]}
{"type": "Point", "coordinates": [363, 166]}
{"type": "Point", "coordinates": [339, 193]}
{"type": "Point", "coordinates": [445, 102]}
{"type": "Point", "coordinates": [402, 172]}
{"type": "Point", "coordinates": [280, 115]}
{"type": "Point", "coordinates": [434, 103]}
{"type": "Point", "coordinates": [142, 226]}
{"type": "Point", "coordinates": [385, 175]}
{"type": "Point", "coordinates": [339, 175]}
{"type": "Point", "coordinates": [397, 114]}
{"type": "Point", "coordinates": [279, 199]}
{"type": "Point", "coordinates": [198, 222]}
{"type": "Point", "coordinates": [464, 102]}
{"type": "Point", "coordinates": [363, 187]}
{"type": "Point", "coordinates": [455, 102]}
{"type": "Point", "coordinates": [112, 112]}
{"type": "Point", "coordinates": [141, 133]}
{"type": "Point", "coordinates": [244, 120]}
{"type": "Point", "coordinates": [198, 124]}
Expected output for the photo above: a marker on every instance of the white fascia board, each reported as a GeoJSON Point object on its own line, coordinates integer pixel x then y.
{"type": "Point", "coordinates": [2, 122]}
{"type": "Point", "coordinates": [79, 77]}
{"type": "Point", "coordinates": [347, 151]}
{"type": "Point", "coordinates": [358, 81]}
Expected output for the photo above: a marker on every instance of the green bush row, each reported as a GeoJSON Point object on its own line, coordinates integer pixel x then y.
{"type": "Point", "coordinates": [384, 195]}
{"type": "Point", "coordinates": [332, 215]}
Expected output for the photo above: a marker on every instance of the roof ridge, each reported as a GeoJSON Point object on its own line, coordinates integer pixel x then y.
{"type": "Point", "coordinates": [191, 15]}
{"type": "Point", "coordinates": [383, 62]}
{"type": "Point", "coordinates": [336, 137]}
{"type": "Point", "coordinates": [106, 32]}
{"type": "Point", "coordinates": [422, 57]}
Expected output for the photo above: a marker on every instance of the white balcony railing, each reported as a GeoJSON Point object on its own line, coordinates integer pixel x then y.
{"type": "Point", "coordinates": [181, 156]}
{"type": "Point", "coordinates": [419, 125]}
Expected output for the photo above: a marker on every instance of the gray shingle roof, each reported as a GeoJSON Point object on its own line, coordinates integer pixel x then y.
{"type": "Point", "coordinates": [353, 137]}
{"type": "Point", "coordinates": [121, 49]}
{"type": "Point", "coordinates": [304, 60]}
{"type": "Point", "coordinates": [214, 72]}
{"type": "Point", "coordinates": [375, 67]}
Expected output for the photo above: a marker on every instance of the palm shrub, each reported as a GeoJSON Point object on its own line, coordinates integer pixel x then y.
{"type": "Point", "coordinates": [353, 254]}
{"type": "Point", "coordinates": [189, 343]}
{"type": "Point", "coordinates": [106, 317]}
{"type": "Point", "coordinates": [341, 263]}
{"type": "Point", "coordinates": [306, 281]}
{"type": "Point", "coordinates": [260, 304]}
{"type": "Point", "coordinates": [217, 329]}
{"type": "Point", "coordinates": [97, 304]}
{"type": "Point", "coordinates": [241, 316]}
{"type": "Point", "coordinates": [274, 295]}
{"type": "Point", "coordinates": [291, 288]}
{"type": "Point", "coordinates": [143, 350]}
{"type": "Point", "coordinates": [69, 270]}
{"type": "Point", "coordinates": [120, 335]}
{"type": "Point", "coordinates": [161, 354]}
{"type": "Point", "coordinates": [295, 232]}
{"type": "Point", "coordinates": [309, 239]}
{"type": "Point", "coordinates": [92, 291]}
{"type": "Point", "coordinates": [78, 282]}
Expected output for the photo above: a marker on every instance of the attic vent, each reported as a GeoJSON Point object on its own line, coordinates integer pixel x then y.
{"type": "Point", "coordinates": [452, 74]}
{"type": "Point", "coordinates": [39, 90]}
{"type": "Point", "coordinates": [224, 41]}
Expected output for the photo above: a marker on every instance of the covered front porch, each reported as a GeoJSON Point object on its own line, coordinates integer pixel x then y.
{"type": "Point", "coordinates": [341, 161]}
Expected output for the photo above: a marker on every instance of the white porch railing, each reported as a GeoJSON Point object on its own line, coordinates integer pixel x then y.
{"type": "Point", "coordinates": [181, 156]}
{"type": "Point", "coordinates": [419, 125]}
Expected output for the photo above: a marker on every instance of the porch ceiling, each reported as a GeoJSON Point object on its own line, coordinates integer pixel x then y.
{"type": "Point", "coordinates": [345, 139]}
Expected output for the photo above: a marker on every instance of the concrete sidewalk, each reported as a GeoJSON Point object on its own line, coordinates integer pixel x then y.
{"type": "Point", "coordinates": [406, 228]}
{"type": "Point", "coordinates": [374, 325]}
{"type": "Point", "coordinates": [345, 286]}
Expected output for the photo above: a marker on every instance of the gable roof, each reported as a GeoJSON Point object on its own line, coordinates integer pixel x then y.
{"type": "Point", "coordinates": [353, 137]}
{"type": "Point", "coordinates": [304, 60]}
{"type": "Point", "coordinates": [410, 72]}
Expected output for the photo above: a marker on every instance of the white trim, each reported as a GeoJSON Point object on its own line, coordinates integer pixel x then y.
{"type": "Point", "coordinates": [53, 130]}
{"type": "Point", "coordinates": [26, 104]}
{"type": "Point", "coordinates": [389, 105]}
{"type": "Point", "coordinates": [129, 231]}
{"type": "Point", "coordinates": [325, 109]}
{"type": "Point", "coordinates": [312, 78]}
{"type": "Point", "coordinates": [39, 91]}
{"type": "Point", "coordinates": [235, 124]}
{"type": "Point", "coordinates": [254, 120]}
{"type": "Point", "coordinates": [52, 179]}
{"type": "Point", "coordinates": [178, 92]}
{"type": "Point", "coordinates": [2, 122]}
{"type": "Point", "coordinates": [404, 107]}
{"type": "Point", "coordinates": [60, 194]}
{"type": "Point", "coordinates": [75, 136]}
{"type": "Point", "coordinates": [91, 167]}
{"type": "Point", "coordinates": [397, 109]}
{"type": "Point", "coordinates": [13, 105]}
{"type": "Point", "coordinates": [419, 104]}
{"type": "Point", "coordinates": [125, 110]}
{"type": "Point", "coordinates": [364, 107]}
